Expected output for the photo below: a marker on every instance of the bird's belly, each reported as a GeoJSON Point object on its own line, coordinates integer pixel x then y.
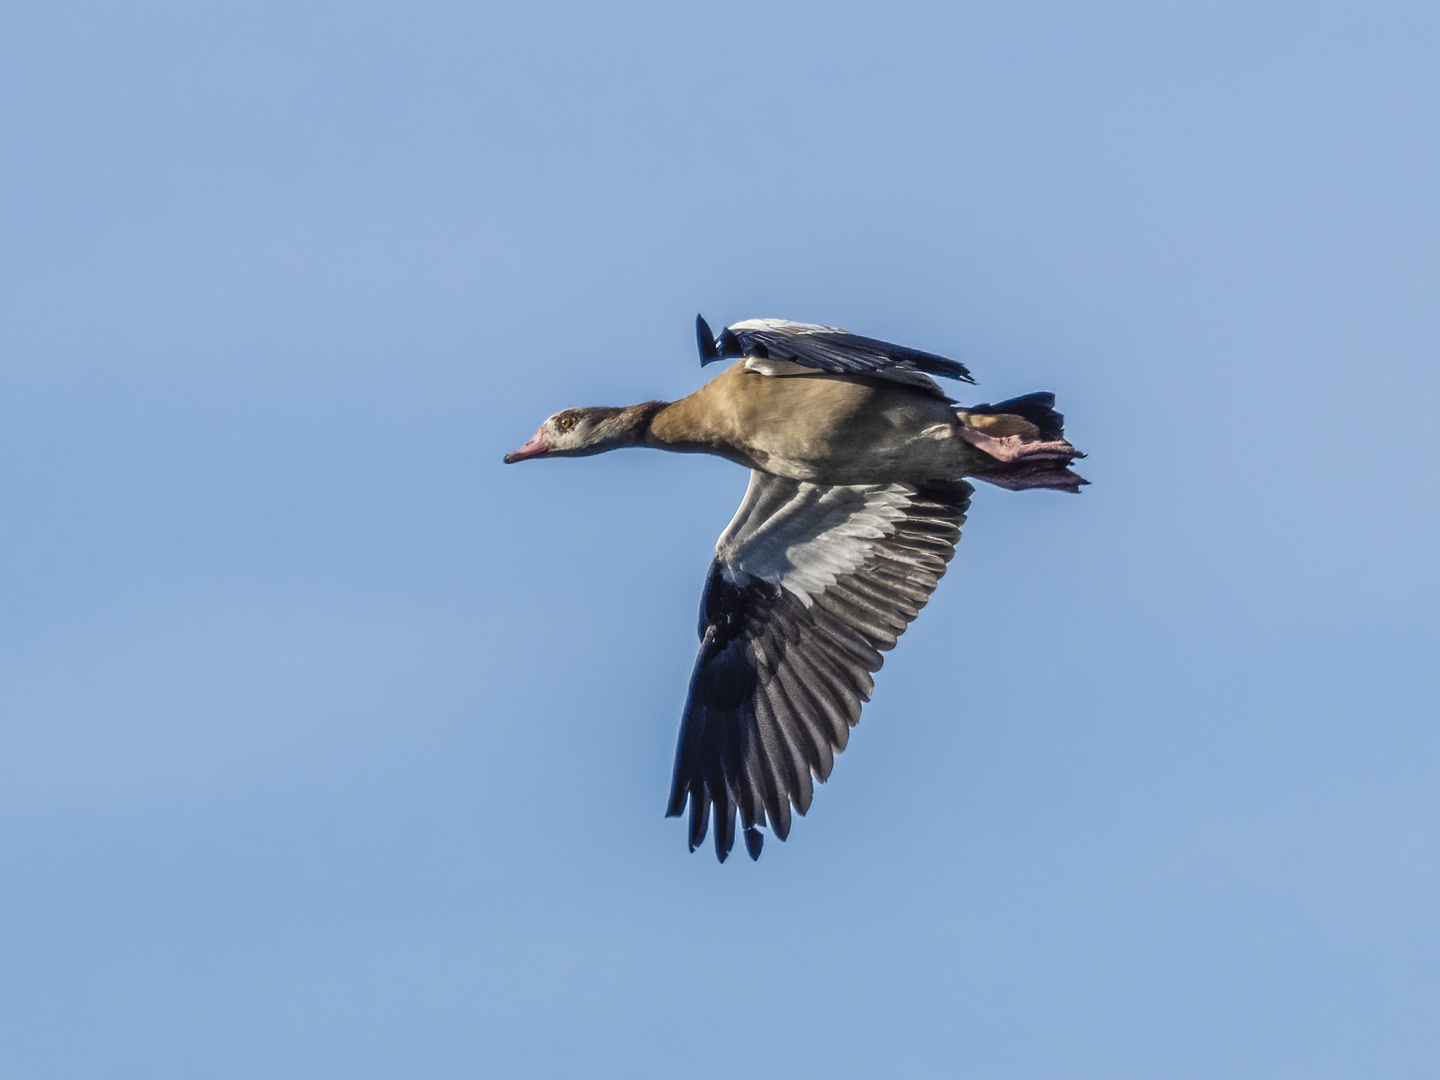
{"type": "Point", "coordinates": [879, 438]}
{"type": "Point", "coordinates": [929, 455]}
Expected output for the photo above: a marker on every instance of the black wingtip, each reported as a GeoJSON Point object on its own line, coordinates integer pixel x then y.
{"type": "Point", "coordinates": [724, 829]}
{"type": "Point", "coordinates": [705, 340]}
{"type": "Point", "coordinates": [953, 369]}
{"type": "Point", "coordinates": [935, 364]}
{"type": "Point", "coordinates": [754, 841]}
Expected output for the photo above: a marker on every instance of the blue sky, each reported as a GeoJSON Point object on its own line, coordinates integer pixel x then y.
{"type": "Point", "coordinates": [331, 747]}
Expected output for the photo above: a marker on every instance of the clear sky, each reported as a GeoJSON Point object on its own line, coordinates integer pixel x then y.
{"type": "Point", "coordinates": [331, 747]}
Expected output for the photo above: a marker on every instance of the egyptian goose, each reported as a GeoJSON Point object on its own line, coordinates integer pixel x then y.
{"type": "Point", "coordinates": [855, 503]}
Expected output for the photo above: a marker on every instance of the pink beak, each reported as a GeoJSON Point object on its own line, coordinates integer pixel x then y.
{"type": "Point", "coordinates": [536, 447]}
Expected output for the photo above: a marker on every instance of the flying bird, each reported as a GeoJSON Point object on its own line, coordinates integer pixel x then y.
{"type": "Point", "coordinates": [857, 462]}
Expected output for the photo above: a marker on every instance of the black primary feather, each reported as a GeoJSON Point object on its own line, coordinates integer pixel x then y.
{"type": "Point", "coordinates": [754, 842]}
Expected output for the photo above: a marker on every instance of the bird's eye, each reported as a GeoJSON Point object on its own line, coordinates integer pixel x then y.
{"type": "Point", "coordinates": [565, 423]}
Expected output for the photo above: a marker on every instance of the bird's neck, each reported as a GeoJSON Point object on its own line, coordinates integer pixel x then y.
{"type": "Point", "coordinates": [633, 422]}
{"type": "Point", "coordinates": [702, 423]}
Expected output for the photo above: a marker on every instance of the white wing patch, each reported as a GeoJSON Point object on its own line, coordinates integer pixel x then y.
{"type": "Point", "coordinates": [785, 326]}
{"type": "Point", "coordinates": [803, 536]}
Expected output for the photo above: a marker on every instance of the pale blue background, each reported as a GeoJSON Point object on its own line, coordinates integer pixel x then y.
{"type": "Point", "coordinates": [330, 747]}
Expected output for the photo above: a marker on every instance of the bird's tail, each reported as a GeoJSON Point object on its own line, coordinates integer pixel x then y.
{"type": "Point", "coordinates": [1023, 444]}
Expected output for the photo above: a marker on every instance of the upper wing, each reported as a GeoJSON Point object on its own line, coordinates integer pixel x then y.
{"type": "Point", "coordinates": [823, 347]}
{"type": "Point", "coordinates": [809, 585]}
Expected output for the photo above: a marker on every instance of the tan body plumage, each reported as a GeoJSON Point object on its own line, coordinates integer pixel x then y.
{"type": "Point", "coordinates": [821, 427]}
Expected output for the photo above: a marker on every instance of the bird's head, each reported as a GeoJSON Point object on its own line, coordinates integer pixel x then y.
{"type": "Point", "coordinates": [581, 432]}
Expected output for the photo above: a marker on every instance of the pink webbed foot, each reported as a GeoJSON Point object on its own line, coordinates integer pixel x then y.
{"type": "Point", "coordinates": [1015, 448]}
{"type": "Point", "coordinates": [1027, 463]}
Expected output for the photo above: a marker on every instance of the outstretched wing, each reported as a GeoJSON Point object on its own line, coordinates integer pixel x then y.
{"type": "Point", "coordinates": [824, 347]}
{"type": "Point", "coordinates": [809, 585]}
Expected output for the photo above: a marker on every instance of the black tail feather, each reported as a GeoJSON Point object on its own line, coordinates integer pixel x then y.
{"type": "Point", "coordinates": [1038, 409]}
